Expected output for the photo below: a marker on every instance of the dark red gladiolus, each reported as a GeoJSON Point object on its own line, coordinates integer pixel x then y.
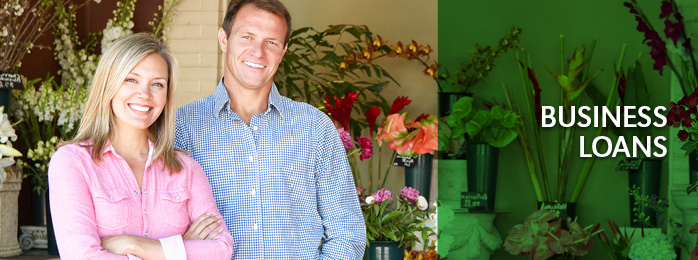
{"type": "Point", "coordinates": [341, 110]}
{"type": "Point", "coordinates": [683, 135]}
{"type": "Point", "coordinates": [673, 30]}
{"type": "Point", "coordinates": [622, 84]}
{"type": "Point", "coordinates": [630, 5]}
{"type": "Point", "coordinates": [371, 116]}
{"type": "Point", "coordinates": [666, 9]}
{"type": "Point", "coordinates": [398, 104]}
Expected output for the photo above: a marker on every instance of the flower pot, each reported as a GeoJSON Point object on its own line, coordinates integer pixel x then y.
{"type": "Point", "coordinates": [8, 216]}
{"type": "Point", "coordinates": [419, 175]}
{"type": "Point", "coordinates": [689, 215]}
{"type": "Point", "coordinates": [51, 235]}
{"type": "Point", "coordinates": [385, 250]}
{"type": "Point", "coordinates": [483, 160]}
{"type": "Point", "coordinates": [469, 236]}
{"type": "Point", "coordinates": [452, 181]}
{"type": "Point", "coordinates": [647, 179]}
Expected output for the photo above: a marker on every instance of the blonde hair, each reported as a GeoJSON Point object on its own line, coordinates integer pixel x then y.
{"type": "Point", "coordinates": [97, 123]}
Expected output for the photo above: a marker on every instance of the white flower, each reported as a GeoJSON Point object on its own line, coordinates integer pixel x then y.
{"type": "Point", "coordinates": [370, 200]}
{"type": "Point", "coordinates": [432, 216]}
{"type": "Point", "coordinates": [422, 203]}
{"type": "Point", "coordinates": [655, 247]}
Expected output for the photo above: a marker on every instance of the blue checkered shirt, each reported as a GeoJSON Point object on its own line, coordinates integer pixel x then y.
{"type": "Point", "coordinates": [282, 183]}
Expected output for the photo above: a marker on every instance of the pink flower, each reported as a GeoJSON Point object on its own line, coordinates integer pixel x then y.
{"type": "Point", "coordinates": [393, 128]}
{"type": "Point", "coordinates": [382, 195]}
{"type": "Point", "coordinates": [409, 194]}
{"type": "Point", "coordinates": [366, 146]}
{"type": "Point", "coordinates": [360, 191]}
{"type": "Point", "coordinates": [346, 139]}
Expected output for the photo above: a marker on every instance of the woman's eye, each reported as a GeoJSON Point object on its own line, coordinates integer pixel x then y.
{"type": "Point", "coordinates": [131, 80]}
{"type": "Point", "coordinates": [158, 84]}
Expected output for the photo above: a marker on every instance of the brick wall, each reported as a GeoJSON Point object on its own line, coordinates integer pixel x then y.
{"type": "Point", "coordinates": [192, 37]}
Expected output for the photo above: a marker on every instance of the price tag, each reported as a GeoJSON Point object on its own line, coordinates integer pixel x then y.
{"type": "Point", "coordinates": [404, 161]}
{"type": "Point", "coordinates": [629, 164]}
{"type": "Point", "coordinates": [473, 201]}
{"type": "Point", "coordinates": [10, 81]}
{"type": "Point", "coordinates": [559, 208]}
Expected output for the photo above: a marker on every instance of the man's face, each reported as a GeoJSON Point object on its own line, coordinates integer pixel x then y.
{"type": "Point", "coordinates": [254, 47]}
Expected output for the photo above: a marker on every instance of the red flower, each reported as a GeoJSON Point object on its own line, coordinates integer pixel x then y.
{"type": "Point", "coordinates": [341, 111]}
{"type": "Point", "coordinates": [398, 104]}
{"type": "Point", "coordinates": [683, 135]}
{"type": "Point", "coordinates": [666, 9]}
{"type": "Point", "coordinates": [673, 30]}
{"type": "Point", "coordinates": [371, 116]}
{"type": "Point", "coordinates": [366, 146]}
{"type": "Point", "coordinates": [536, 93]}
{"type": "Point", "coordinates": [420, 117]}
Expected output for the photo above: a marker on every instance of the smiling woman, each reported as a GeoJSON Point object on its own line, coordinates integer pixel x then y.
{"type": "Point", "coordinates": [119, 190]}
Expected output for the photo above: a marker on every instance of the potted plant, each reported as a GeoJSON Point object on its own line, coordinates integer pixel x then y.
{"type": "Point", "coordinates": [10, 184]}
{"type": "Point", "coordinates": [391, 227]}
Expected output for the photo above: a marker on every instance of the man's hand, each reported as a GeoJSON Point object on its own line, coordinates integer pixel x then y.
{"type": "Point", "coordinates": [120, 244]}
{"type": "Point", "coordinates": [204, 228]}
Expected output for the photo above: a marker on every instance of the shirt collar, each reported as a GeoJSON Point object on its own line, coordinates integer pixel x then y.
{"type": "Point", "coordinates": [221, 99]}
{"type": "Point", "coordinates": [109, 148]}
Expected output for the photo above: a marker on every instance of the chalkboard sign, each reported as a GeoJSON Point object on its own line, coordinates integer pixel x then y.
{"type": "Point", "coordinates": [404, 161]}
{"type": "Point", "coordinates": [10, 81]}
{"type": "Point", "coordinates": [560, 209]}
{"type": "Point", "coordinates": [473, 201]}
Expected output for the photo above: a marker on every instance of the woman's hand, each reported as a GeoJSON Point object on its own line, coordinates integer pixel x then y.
{"type": "Point", "coordinates": [119, 244]}
{"type": "Point", "coordinates": [204, 228]}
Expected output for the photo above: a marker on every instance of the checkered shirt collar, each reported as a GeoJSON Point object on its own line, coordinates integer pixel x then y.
{"type": "Point", "coordinates": [221, 99]}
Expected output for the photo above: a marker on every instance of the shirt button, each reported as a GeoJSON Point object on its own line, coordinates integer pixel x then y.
{"type": "Point", "coordinates": [145, 192]}
{"type": "Point", "coordinates": [251, 158]}
{"type": "Point", "coordinates": [111, 197]}
{"type": "Point", "coordinates": [254, 127]}
{"type": "Point", "coordinates": [135, 192]}
{"type": "Point", "coordinates": [177, 197]}
{"type": "Point", "coordinates": [255, 227]}
{"type": "Point", "coordinates": [145, 212]}
{"type": "Point", "coordinates": [253, 192]}
{"type": "Point", "coordinates": [146, 234]}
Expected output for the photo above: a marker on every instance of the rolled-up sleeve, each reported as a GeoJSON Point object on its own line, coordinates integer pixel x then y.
{"type": "Point", "coordinates": [72, 209]}
{"type": "Point", "coordinates": [202, 202]}
{"type": "Point", "coordinates": [338, 204]}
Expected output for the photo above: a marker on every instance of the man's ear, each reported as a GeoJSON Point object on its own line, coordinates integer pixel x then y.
{"type": "Point", "coordinates": [223, 39]}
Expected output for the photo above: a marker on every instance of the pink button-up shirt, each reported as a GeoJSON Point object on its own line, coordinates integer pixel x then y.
{"type": "Point", "coordinates": [92, 200]}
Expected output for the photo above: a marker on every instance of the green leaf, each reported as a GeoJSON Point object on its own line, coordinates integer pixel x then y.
{"type": "Point", "coordinates": [391, 215]}
{"type": "Point", "coordinates": [375, 88]}
{"type": "Point", "coordinates": [389, 234]}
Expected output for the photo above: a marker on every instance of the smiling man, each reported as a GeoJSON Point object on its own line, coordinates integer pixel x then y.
{"type": "Point", "coordinates": [277, 168]}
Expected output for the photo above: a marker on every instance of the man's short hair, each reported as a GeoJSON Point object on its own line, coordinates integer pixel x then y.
{"type": "Point", "coordinates": [272, 6]}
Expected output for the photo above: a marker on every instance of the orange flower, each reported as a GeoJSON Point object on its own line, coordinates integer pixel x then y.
{"type": "Point", "coordinates": [425, 50]}
{"type": "Point", "coordinates": [342, 66]}
{"type": "Point", "coordinates": [412, 48]}
{"type": "Point", "coordinates": [426, 140]}
{"type": "Point", "coordinates": [432, 70]}
{"type": "Point", "coordinates": [397, 50]}
{"type": "Point", "coordinates": [378, 42]}
{"type": "Point", "coordinates": [393, 128]}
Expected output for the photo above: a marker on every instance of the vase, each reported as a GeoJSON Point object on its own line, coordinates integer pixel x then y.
{"type": "Point", "coordinates": [469, 236]}
{"type": "Point", "coordinates": [419, 175]}
{"type": "Point", "coordinates": [51, 235]}
{"type": "Point", "coordinates": [452, 181]}
{"type": "Point", "coordinates": [38, 201]}
{"type": "Point", "coordinates": [385, 250]}
{"type": "Point", "coordinates": [483, 160]}
{"type": "Point", "coordinates": [9, 194]}
{"type": "Point", "coordinates": [647, 179]}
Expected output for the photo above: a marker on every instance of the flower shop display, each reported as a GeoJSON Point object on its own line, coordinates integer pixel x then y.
{"type": "Point", "coordinates": [541, 237]}
{"type": "Point", "coordinates": [394, 220]}
{"type": "Point", "coordinates": [10, 184]}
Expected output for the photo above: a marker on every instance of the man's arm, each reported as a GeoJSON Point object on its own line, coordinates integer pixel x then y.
{"type": "Point", "coordinates": [338, 204]}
